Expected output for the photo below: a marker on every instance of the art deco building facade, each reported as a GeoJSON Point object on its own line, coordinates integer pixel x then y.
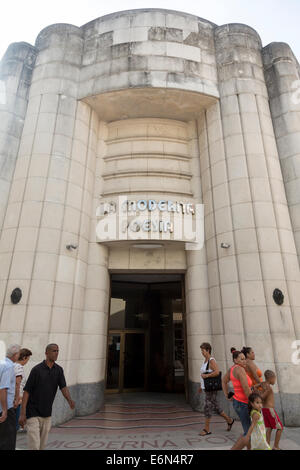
{"type": "Point", "coordinates": [112, 135]}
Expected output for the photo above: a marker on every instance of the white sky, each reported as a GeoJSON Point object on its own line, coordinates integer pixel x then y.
{"type": "Point", "coordinates": [274, 20]}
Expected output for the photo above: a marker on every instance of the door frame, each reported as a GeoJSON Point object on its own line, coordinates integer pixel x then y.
{"type": "Point", "coordinates": [186, 367]}
{"type": "Point", "coordinates": [184, 321]}
{"type": "Point", "coordinates": [122, 334]}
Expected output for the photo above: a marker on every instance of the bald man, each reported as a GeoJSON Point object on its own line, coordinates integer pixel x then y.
{"type": "Point", "coordinates": [38, 398]}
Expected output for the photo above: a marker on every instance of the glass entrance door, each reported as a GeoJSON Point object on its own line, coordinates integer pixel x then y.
{"type": "Point", "coordinates": [126, 369]}
{"type": "Point", "coordinates": [134, 361]}
{"type": "Point", "coordinates": [113, 363]}
{"type": "Point", "coordinates": [147, 336]}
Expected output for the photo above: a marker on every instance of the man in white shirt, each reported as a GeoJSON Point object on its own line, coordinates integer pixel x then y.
{"type": "Point", "coordinates": [7, 395]}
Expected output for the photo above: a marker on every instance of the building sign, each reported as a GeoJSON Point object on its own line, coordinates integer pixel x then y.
{"type": "Point", "coordinates": [162, 206]}
{"type": "Point", "coordinates": [124, 219]}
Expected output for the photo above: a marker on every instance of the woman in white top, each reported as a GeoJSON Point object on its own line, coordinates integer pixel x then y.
{"type": "Point", "coordinates": [211, 403]}
{"type": "Point", "coordinates": [20, 380]}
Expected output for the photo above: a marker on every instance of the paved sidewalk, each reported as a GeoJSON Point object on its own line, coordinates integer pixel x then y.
{"type": "Point", "coordinates": [159, 422]}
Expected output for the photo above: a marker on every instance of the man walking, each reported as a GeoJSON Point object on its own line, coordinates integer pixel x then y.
{"type": "Point", "coordinates": [38, 398]}
{"type": "Point", "coordinates": [8, 431]}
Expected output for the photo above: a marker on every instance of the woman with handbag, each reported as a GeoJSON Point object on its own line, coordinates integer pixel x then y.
{"type": "Point", "coordinates": [211, 382]}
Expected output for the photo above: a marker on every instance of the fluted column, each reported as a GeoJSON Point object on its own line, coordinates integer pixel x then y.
{"type": "Point", "coordinates": [93, 340]}
{"type": "Point", "coordinates": [224, 288]}
{"type": "Point", "coordinates": [15, 78]}
{"type": "Point", "coordinates": [197, 296]}
{"type": "Point", "coordinates": [282, 73]}
{"type": "Point", "coordinates": [46, 208]}
{"type": "Point", "coordinates": [259, 211]}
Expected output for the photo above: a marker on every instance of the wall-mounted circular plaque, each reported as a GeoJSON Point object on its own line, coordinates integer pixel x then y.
{"type": "Point", "coordinates": [278, 297]}
{"type": "Point", "coordinates": [16, 295]}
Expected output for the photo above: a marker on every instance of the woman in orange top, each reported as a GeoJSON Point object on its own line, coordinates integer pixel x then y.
{"type": "Point", "coordinates": [242, 389]}
{"type": "Point", "coordinates": [252, 370]}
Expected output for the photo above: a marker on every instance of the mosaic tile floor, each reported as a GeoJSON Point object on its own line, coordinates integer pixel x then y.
{"type": "Point", "coordinates": [144, 421]}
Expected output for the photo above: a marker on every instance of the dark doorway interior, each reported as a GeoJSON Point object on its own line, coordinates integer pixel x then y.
{"type": "Point", "coordinates": [146, 345]}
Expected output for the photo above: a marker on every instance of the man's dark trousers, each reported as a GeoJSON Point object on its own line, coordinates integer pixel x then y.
{"type": "Point", "coordinates": [8, 431]}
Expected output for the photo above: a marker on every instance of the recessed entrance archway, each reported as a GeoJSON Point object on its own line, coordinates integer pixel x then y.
{"type": "Point", "coordinates": [146, 337]}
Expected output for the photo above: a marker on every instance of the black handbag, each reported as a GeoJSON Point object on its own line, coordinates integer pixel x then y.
{"type": "Point", "coordinates": [212, 384]}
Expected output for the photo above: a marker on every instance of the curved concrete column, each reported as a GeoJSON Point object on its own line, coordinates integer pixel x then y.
{"type": "Point", "coordinates": [15, 75]}
{"type": "Point", "coordinates": [198, 316]}
{"type": "Point", "coordinates": [259, 210]}
{"type": "Point", "coordinates": [93, 339]}
{"type": "Point", "coordinates": [48, 190]}
{"type": "Point", "coordinates": [227, 320]}
{"type": "Point", "coordinates": [282, 73]}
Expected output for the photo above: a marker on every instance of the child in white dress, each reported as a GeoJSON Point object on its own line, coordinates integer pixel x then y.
{"type": "Point", "coordinates": [257, 430]}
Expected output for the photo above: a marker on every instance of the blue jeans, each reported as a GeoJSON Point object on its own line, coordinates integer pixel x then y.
{"type": "Point", "coordinates": [241, 410]}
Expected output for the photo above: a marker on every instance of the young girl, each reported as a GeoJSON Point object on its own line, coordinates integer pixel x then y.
{"type": "Point", "coordinates": [257, 430]}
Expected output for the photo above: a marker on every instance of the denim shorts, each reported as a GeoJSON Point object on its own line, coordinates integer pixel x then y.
{"type": "Point", "coordinates": [241, 410]}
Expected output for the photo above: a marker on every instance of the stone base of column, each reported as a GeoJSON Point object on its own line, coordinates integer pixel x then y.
{"type": "Point", "coordinates": [89, 398]}
{"type": "Point", "coordinates": [291, 409]}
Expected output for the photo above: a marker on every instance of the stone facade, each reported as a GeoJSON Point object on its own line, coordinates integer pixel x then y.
{"type": "Point", "coordinates": [151, 104]}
